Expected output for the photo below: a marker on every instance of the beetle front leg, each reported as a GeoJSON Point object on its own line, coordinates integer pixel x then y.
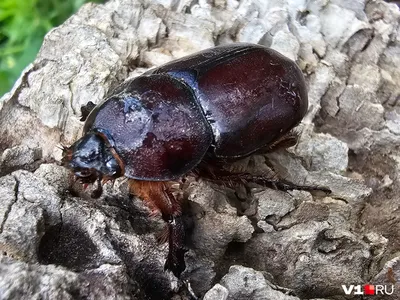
{"type": "Point", "coordinates": [159, 198]}
{"type": "Point", "coordinates": [175, 261]}
{"type": "Point", "coordinates": [86, 110]}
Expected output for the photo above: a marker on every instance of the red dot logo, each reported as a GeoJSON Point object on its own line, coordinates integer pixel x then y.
{"type": "Point", "coordinates": [369, 289]}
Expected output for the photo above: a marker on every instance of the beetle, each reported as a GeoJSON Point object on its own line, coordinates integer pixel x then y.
{"type": "Point", "coordinates": [188, 117]}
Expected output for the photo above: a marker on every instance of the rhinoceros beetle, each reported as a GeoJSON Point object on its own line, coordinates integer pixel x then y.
{"type": "Point", "coordinates": [187, 117]}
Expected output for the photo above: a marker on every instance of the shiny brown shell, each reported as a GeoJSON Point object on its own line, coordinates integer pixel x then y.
{"type": "Point", "coordinates": [228, 101]}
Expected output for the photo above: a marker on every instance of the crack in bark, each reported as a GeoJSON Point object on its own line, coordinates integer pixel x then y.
{"type": "Point", "coordinates": [8, 210]}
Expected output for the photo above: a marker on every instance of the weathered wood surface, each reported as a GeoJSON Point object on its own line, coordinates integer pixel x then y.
{"type": "Point", "coordinates": [61, 245]}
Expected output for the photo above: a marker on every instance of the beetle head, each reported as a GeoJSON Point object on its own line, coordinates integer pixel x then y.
{"type": "Point", "coordinates": [92, 158]}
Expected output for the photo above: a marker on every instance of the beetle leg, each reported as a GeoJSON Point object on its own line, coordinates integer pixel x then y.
{"type": "Point", "coordinates": [86, 110]}
{"type": "Point", "coordinates": [99, 190]}
{"type": "Point", "coordinates": [175, 261]}
{"type": "Point", "coordinates": [176, 235]}
{"type": "Point", "coordinates": [157, 195]}
{"type": "Point", "coordinates": [288, 140]}
{"type": "Point", "coordinates": [280, 184]}
{"type": "Point", "coordinates": [230, 179]}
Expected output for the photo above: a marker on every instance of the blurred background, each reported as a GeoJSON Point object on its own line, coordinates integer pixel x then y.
{"type": "Point", "coordinates": [23, 24]}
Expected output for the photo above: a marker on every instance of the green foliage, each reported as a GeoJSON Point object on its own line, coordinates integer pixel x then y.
{"type": "Point", "coordinates": [23, 24]}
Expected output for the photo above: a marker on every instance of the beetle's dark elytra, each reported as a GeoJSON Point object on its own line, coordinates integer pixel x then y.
{"type": "Point", "coordinates": [236, 98]}
{"type": "Point", "coordinates": [221, 103]}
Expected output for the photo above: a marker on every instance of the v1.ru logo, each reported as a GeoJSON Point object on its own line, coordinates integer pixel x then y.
{"type": "Point", "coordinates": [368, 289]}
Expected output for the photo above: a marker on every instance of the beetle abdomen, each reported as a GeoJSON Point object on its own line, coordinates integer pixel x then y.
{"type": "Point", "coordinates": [157, 127]}
{"type": "Point", "coordinates": [250, 94]}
